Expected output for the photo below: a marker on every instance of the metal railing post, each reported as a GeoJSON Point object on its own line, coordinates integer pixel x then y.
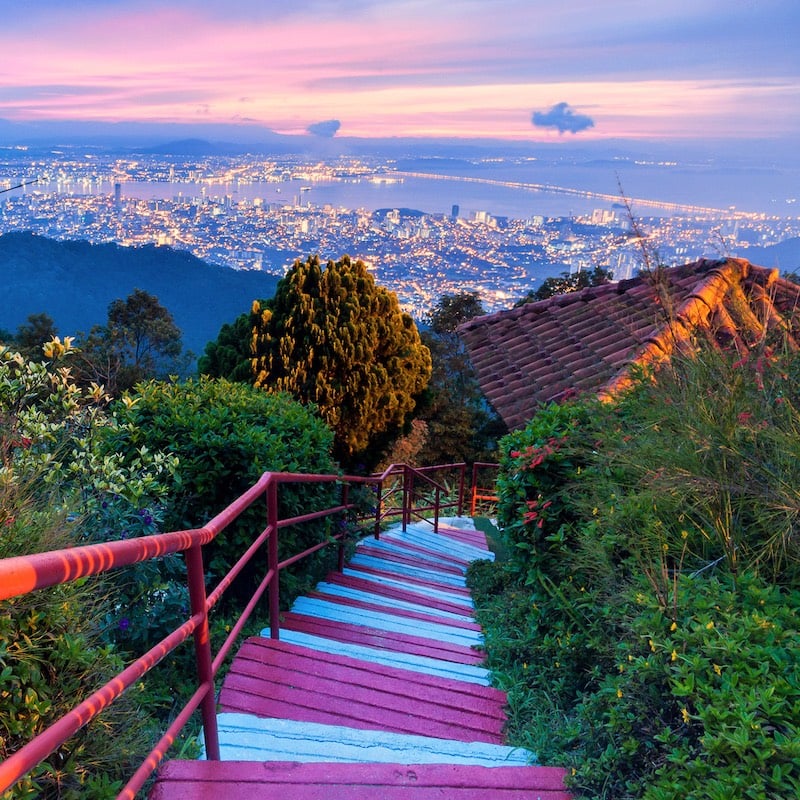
{"type": "Point", "coordinates": [272, 560]}
{"type": "Point", "coordinates": [407, 491]}
{"type": "Point", "coordinates": [378, 503]}
{"type": "Point", "coordinates": [202, 650]}
{"type": "Point", "coordinates": [462, 471]}
{"type": "Point", "coordinates": [343, 539]}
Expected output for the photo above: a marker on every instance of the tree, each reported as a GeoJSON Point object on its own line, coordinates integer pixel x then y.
{"type": "Point", "coordinates": [33, 333]}
{"type": "Point", "coordinates": [462, 426]}
{"type": "Point", "coordinates": [453, 310]}
{"type": "Point", "coordinates": [228, 356]}
{"type": "Point", "coordinates": [332, 337]}
{"type": "Point", "coordinates": [139, 340]}
{"type": "Point", "coordinates": [567, 282]}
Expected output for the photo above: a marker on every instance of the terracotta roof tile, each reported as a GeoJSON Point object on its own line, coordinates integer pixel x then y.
{"type": "Point", "coordinates": [585, 340]}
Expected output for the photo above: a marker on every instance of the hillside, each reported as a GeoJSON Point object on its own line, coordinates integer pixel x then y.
{"type": "Point", "coordinates": [74, 282]}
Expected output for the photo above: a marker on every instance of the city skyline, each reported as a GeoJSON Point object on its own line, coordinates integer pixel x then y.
{"type": "Point", "coordinates": [513, 69]}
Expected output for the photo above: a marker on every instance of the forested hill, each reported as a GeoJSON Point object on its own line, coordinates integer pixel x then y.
{"type": "Point", "coordinates": [74, 282]}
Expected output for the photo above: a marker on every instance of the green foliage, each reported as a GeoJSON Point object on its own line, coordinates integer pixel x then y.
{"type": "Point", "coordinates": [644, 623]}
{"type": "Point", "coordinates": [453, 310]}
{"type": "Point", "coordinates": [225, 436]}
{"type": "Point", "coordinates": [461, 425]}
{"type": "Point", "coordinates": [33, 333]}
{"type": "Point", "coordinates": [228, 356]}
{"type": "Point", "coordinates": [58, 645]}
{"type": "Point", "coordinates": [567, 282]}
{"type": "Point", "coordinates": [139, 340]}
{"type": "Point", "coordinates": [333, 338]}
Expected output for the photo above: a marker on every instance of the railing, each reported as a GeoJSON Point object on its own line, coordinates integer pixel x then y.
{"type": "Point", "coordinates": [24, 574]}
{"type": "Point", "coordinates": [483, 496]}
{"type": "Point", "coordinates": [418, 493]}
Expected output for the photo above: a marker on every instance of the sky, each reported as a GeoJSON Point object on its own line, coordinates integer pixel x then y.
{"type": "Point", "coordinates": [522, 70]}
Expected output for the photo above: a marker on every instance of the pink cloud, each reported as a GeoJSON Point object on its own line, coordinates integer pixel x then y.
{"type": "Point", "coordinates": [382, 69]}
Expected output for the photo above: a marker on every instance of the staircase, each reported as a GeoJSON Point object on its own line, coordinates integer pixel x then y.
{"type": "Point", "coordinates": [374, 690]}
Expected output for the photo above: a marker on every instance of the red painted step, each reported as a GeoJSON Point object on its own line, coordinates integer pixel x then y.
{"type": "Point", "coordinates": [276, 679]}
{"type": "Point", "coordinates": [406, 613]}
{"type": "Point", "coordinates": [411, 559]}
{"type": "Point", "coordinates": [418, 549]}
{"type": "Point", "coordinates": [208, 780]}
{"type": "Point", "coordinates": [396, 593]}
{"type": "Point", "coordinates": [383, 640]}
{"type": "Point", "coordinates": [475, 538]}
{"type": "Point", "coordinates": [418, 584]}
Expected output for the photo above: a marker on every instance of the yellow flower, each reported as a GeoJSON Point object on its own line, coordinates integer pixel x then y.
{"type": "Point", "coordinates": [718, 669]}
{"type": "Point", "coordinates": [685, 714]}
{"type": "Point", "coordinates": [665, 547]}
{"type": "Point", "coordinates": [710, 625]}
{"type": "Point", "coordinates": [684, 534]}
{"type": "Point", "coordinates": [652, 646]}
{"type": "Point", "coordinates": [619, 692]}
{"type": "Point", "coordinates": [674, 655]}
{"type": "Point", "coordinates": [674, 626]}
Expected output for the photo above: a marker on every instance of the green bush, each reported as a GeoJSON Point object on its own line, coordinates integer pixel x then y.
{"type": "Point", "coordinates": [225, 436]}
{"type": "Point", "coordinates": [56, 645]}
{"type": "Point", "coordinates": [642, 624]}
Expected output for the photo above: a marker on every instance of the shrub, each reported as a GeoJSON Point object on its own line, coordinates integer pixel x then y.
{"type": "Point", "coordinates": [55, 644]}
{"type": "Point", "coordinates": [225, 435]}
{"type": "Point", "coordinates": [643, 622]}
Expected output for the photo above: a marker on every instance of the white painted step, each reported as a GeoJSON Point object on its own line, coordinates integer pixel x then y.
{"type": "Point", "coordinates": [422, 536]}
{"type": "Point", "coordinates": [334, 589]}
{"type": "Point", "coordinates": [395, 547]}
{"type": "Point", "coordinates": [428, 666]}
{"type": "Point", "coordinates": [247, 738]}
{"type": "Point", "coordinates": [399, 583]}
{"type": "Point", "coordinates": [330, 610]}
{"type": "Point", "coordinates": [398, 568]}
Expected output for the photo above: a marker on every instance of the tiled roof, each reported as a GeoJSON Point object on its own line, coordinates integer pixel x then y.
{"type": "Point", "coordinates": [585, 341]}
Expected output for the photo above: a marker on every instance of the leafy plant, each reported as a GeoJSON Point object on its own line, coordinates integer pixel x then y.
{"type": "Point", "coordinates": [225, 436]}
{"type": "Point", "coordinates": [643, 622]}
{"type": "Point", "coordinates": [57, 645]}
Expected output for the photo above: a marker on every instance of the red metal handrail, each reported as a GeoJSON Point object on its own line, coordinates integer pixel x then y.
{"type": "Point", "coordinates": [408, 508]}
{"type": "Point", "coordinates": [23, 574]}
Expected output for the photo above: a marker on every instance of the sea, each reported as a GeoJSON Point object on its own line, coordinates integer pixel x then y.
{"type": "Point", "coordinates": [516, 191]}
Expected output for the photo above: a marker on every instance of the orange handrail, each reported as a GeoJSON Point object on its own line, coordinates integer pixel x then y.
{"type": "Point", "coordinates": [481, 494]}
{"type": "Point", "coordinates": [23, 574]}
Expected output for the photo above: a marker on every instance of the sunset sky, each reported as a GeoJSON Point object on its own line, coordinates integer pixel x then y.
{"type": "Point", "coordinates": [686, 69]}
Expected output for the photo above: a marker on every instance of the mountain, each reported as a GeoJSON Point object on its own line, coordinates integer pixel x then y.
{"type": "Point", "coordinates": [784, 256]}
{"type": "Point", "coordinates": [75, 281]}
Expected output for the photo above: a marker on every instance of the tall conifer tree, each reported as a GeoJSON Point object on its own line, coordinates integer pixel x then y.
{"type": "Point", "coordinates": [332, 337]}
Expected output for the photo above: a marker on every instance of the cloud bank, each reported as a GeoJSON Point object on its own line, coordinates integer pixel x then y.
{"type": "Point", "coordinates": [562, 118]}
